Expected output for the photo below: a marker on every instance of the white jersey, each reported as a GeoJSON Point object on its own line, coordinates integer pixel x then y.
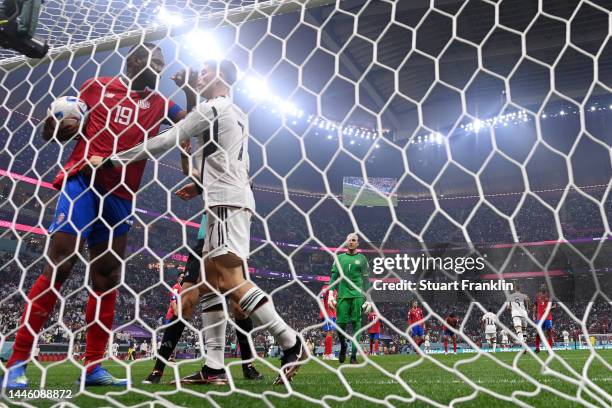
{"type": "Point", "coordinates": [115, 349]}
{"type": "Point", "coordinates": [517, 304]}
{"type": "Point", "coordinates": [489, 320]}
{"type": "Point", "coordinates": [565, 335]}
{"type": "Point", "coordinates": [221, 157]}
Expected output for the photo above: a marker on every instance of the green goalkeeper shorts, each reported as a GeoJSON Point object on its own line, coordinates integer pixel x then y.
{"type": "Point", "coordinates": [348, 310]}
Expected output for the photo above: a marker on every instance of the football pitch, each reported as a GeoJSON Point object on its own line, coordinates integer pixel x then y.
{"type": "Point", "coordinates": [465, 380]}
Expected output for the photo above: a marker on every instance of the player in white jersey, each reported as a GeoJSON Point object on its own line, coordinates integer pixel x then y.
{"type": "Point", "coordinates": [519, 304]}
{"type": "Point", "coordinates": [566, 339]}
{"type": "Point", "coordinates": [504, 339]}
{"type": "Point", "coordinates": [222, 163]}
{"type": "Point", "coordinates": [490, 329]}
{"type": "Point", "coordinates": [427, 343]}
{"type": "Point", "coordinates": [115, 349]}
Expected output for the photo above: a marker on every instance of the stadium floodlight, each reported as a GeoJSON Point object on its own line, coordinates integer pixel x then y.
{"type": "Point", "coordinates": [201, 45]}
{"type": "Point", "coordinates": [477, 124]}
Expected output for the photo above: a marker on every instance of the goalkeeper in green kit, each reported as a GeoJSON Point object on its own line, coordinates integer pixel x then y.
{"type": "Point", "coordinates": [351, 299]}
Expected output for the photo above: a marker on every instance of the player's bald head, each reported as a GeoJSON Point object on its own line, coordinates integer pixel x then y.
{"type": "Point", "coordinates": [352, 236]}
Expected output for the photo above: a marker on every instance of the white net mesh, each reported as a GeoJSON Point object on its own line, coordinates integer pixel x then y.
{"type": "Point", "coordinates": [444, 128]}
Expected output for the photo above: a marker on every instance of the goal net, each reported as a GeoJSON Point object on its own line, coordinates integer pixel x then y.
{"type": "Point", "coordinates": [466, 143]}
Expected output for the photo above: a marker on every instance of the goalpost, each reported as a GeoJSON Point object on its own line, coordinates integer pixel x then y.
{"type": "Point", "coordinates": [455, 118]}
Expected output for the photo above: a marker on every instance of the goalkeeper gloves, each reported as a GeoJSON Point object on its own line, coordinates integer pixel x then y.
{"type": "Point", "coordinates": [331, 300]}
{"type": "Point", "coordinates": [366, 307]}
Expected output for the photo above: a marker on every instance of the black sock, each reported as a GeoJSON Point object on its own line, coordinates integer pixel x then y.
{"type": "Point", "coordinates": [342, 342]}
{"type": "Point", "coordinates": [243, 341]}
{"type": "Point", "coordinates": [172, 335]}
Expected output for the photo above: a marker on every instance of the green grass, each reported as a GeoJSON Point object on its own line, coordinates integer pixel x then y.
{"type": "Point", "coordinates": [317, 383]}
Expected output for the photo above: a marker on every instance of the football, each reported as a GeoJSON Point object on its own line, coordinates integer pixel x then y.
{"type": "Point", "coordinates": [68, 107]}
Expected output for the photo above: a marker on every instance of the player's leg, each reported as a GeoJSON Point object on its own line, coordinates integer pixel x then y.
{"type": "Point", "coordinates": [356, 322]}
{"type": "Point", "coordinates": [519, 327]}
{"type": "Point", "coordinates": [188, 300]}
{"type": "Point", "coordinates": [75, 210]}
{"type": "Point", "coordinates": [256, 304]}
{"type": "Point", "coordinates": [228, 249]}
{"type": "Point", "coordinates": [454, 337]}
{"type": "Point", "coordinates": [371, 336]}
{"type": "Point", "coordinates": [107, 250]}
{"type": "Point", "coordinates": [245, 324]}
{"type": "Point", "coordinates": [376, 342]}
{"type": "Point", "coordinates": [342, 320]}
{"type": "Point", "coordinates": [445, 344]}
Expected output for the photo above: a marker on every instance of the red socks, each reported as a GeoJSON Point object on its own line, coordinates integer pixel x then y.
{"type": "Point", "coordinates": [329, 344]}
{"type": "Point", "coordinates": [97, 334]}
{"type": "Point", "coordinates": [37, 313]}
{"type": "Point", "coordinates": [537, 342]}
{"type": "Point", "coordinates": [550, 339]}
{"type": "Point", "coordinates": [376, 347]}
{"type": "Point", "coordinates": [455, 346]}
{"type": "Point", "coordinates": [446, 346]}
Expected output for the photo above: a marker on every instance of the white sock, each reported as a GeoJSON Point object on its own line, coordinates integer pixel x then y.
{"type": "Point", "coordinates": [265, 315]}
{"type": "Point", "coordinates": [214, 323]}
{"type": "Point", "coordinates": [519, 334]}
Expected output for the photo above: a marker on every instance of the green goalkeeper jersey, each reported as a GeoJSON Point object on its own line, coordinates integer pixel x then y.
{"type": "Point", "coordinates": [355, 269]}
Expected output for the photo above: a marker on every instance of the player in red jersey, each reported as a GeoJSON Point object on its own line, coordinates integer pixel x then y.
{"type": "Point", "coordinates": [122, 112]}
{"type": "Point", "coordinates": [416, 322]}
{"type": "Point", "coordinates": [374, 332]}
{"type": "Point", "coordinates": [330, 324]}
{"type": "Point", "coordinates": [452, 321]}
{"type": "Point", "coordinates": [543, 309]}
{"type": "Point", "coordinates": [172, 312]}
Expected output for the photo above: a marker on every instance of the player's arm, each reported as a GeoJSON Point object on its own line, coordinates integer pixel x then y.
{"type": "Point", "coordinates": [194, 124]}
{"type": "Point", "coordinates": [334, 277]}
{"type": "Point", "coordinates": [188, 84]}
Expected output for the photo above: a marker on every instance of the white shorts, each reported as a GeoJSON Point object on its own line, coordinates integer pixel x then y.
{"type": "Point", "coordinates": [228, 229]}
{"type": "Point", "coordinates": [490, 335]}
{"type": "Point", "coordinates": [427, 344]}
{"type": "Point", "coordinates": [519, 321]}
{"type": "Point", "coordinates": [504, 340]}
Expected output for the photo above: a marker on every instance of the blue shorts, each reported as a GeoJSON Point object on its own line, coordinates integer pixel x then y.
{"type": "Point", "coordinates": [374, 336]}
{"type": "Point", "coordinates": [546, 324]}
{"type": "Point", "coordinates": [77, 209]}
{"type": "Point", "coordinates": [417, 331]}
{"type": "Point", "coordinates": [448, 333]}
{"type": "Point", "coordinates": [330, 324]}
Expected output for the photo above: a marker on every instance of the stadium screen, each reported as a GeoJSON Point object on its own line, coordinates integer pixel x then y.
{"type": "Point", "coordinates": [377, 191]}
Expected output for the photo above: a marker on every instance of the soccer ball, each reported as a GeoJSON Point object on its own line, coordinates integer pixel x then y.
{"type": "Point", "coordinates": [68, 107]}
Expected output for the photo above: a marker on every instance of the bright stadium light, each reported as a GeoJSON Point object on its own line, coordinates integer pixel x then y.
{"type": "Point", "coordinates": [203, 45]}
{"type": "Point", "coordinates": [166, 17]}
{"type": "Point", "coordinates": [477, 124]}
{"type": "Point", "coordinates": [257, 88]}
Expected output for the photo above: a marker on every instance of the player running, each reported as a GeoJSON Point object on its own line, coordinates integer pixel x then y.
{"type": "Point", "coordinates": [519, 304]}
{"type": "Point", "coordinates": [122, 112]}
{"type": "Point", "coordinates": [351, 301]}
{"type": "Point", "coordinates": [543, 309]}
{"type": "Point", "coordinates": [374, 332]}
{"type": "Point", "coordinates": [329, 326]}
{"type": "Point", "coordinates": [416, 323]}
{"type": "Point", "coordinates": [489, 320]}
{"type": "Point", "coordinates": [452, 321]}
{"type": "Point", "coordinates": [222, 162]}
